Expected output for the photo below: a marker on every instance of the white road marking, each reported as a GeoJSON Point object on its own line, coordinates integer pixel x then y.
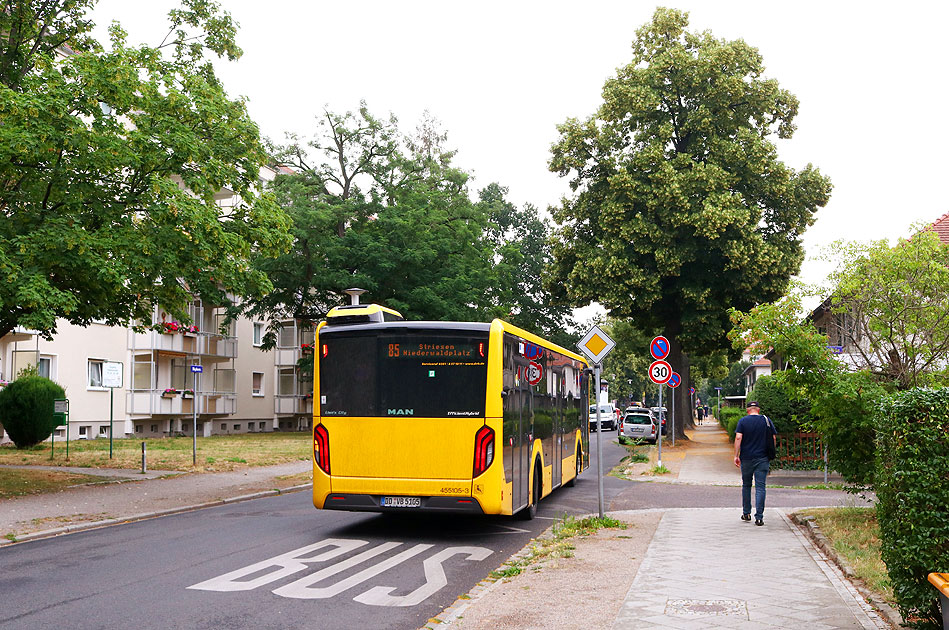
{"type": "Point", "coordinates": [435, 580]}
{"type": "Point", "coordinates": [285, 564]}
{"type": "Point", "coordinates": [301, 589]}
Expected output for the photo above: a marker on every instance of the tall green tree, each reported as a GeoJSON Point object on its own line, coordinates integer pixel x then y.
{"type": "Point", "coordinates": [111, 161]}
{"type": "Point", "coordinates": [520, 239]}
{"type": "Point", "coordinates": [891, 308]}
{"type": "Point", "coordinates": [680, 206]}
{"type": "Point", "coordinates": [381, 210]}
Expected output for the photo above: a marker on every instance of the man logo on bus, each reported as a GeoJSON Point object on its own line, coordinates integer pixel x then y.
{"type": "Point", "coordinates": [401, 412]}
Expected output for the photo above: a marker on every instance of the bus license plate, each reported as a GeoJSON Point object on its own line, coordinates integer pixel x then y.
{"type": "Point", "coordinates": [401, 502]}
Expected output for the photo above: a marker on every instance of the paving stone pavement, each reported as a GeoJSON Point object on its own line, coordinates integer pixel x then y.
{"type": "Point", "coordinates": [745, 577]}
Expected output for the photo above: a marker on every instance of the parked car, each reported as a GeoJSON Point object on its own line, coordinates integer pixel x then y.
{"type": "Point", "coordinates": [607, 417]}
{"type": "Point", "coordinates": [661, 414]}
{"type": "Point", "coordinates": [639, 424]}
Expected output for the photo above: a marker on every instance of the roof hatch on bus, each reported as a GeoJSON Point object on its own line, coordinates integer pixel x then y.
{"type": "Point", "coordinates": [357, 313]}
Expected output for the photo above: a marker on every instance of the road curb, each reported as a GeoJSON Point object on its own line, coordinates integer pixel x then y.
{"type": "Point", "coordinates": [78, 527]}
{"type": "Point", "coordinates": [809, 526]}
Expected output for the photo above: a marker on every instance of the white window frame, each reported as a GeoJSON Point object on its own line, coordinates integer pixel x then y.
{"type": "Point", "coordinates": [89, 385]}
{"type": "Point", "coordinates": [258, 336]}
{"type": "Point", "coordinates": [258, 392]}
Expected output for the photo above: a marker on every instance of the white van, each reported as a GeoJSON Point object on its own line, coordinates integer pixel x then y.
{"type": "Point", "coordinates": [608, 417]}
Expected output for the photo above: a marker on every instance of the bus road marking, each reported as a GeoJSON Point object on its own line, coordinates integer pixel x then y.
{"type": "Point", "coordinates": [287, 564]}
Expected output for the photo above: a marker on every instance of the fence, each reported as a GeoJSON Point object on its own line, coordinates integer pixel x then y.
{"type": "Point", "coordinates": [800, 450]}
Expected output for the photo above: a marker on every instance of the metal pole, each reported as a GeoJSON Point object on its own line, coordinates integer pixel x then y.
{"type": "Point", "coordinates": [659, 441]}
{"type": "Point", "coordinates": [599, 451]}
{"type": "Point", "coordinates": [673, 394]}
{"type": "Point", "coordinates": [144, 461]}
{"type": "Point", "coordinates": [194, 422]}
{"type": "Point", "coordinates": [825, 463]}
{"type": "Point", "coordinates": [67, 432]}
{"type": "Point", "coordinates": [52, 444]}
{"type": "Point", "coordinates": [111, 390]}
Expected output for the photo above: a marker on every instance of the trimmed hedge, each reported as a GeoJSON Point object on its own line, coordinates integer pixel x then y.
{"type": "Point", "coordinates": [912, 485]}
{"type": "Point", "coordinates": [26, 409]}
{"type": "Point", "coordinates": [730, 418]}
{"type": "Point", "coordinates": [787, 411]}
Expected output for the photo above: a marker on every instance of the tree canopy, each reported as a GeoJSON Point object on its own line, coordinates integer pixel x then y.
{"type": "Point", "coordinates": [112, 162]}
{"type": "Point", "coordinates": [680, 206]}
{"type": "Point", "coordinates": [388, 212]}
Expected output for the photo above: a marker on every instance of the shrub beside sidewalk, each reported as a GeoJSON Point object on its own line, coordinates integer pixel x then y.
{"type": "Point", "coordinates": [912, 485]}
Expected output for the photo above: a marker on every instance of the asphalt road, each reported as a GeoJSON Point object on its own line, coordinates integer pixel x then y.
{"type": "Point", "coordinates": [279, 563]}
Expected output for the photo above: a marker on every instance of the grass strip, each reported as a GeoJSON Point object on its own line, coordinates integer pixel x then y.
{"type": "Point", "coordinates": [17, 482]}
{"type": "Point", "coordinates": [855, 535]}
{"type": "Point", "coordinates": [215, 453]}
{"type": "Point", "coordinates": [559, 544]}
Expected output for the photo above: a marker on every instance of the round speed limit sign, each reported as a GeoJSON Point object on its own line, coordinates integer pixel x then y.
{"type": "Point", "coordinates": [660, 372]}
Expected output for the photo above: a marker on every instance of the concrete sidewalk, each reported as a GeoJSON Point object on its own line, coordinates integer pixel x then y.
{"type": "Point", "coordinates": [746, 577]}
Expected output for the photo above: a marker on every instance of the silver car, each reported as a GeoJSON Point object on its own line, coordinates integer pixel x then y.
{"type": "Point", "coordinates": [639, 424]}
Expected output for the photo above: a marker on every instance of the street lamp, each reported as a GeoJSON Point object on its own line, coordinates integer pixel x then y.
{"type": "Point", "coordinates": [719, 416]}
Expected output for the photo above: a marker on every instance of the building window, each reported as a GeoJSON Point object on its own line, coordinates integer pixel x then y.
{"type": "Point", "coordinates": [286, 380]}
{"type": "Point", "coordinates": [83, 431]}
{"type": "Point", "coordinates": [138, 428]}
{"type": "Point", "coordinates": [257, 384]}
{"type": "Point", "coordinates": [200, 426]}
{"type": "Point", "coordinates": [250, 427]}
{"type": "Point", "coordinates": [237, 427]}
{"type": "Point", "coordinates": [103, 430]}
{"type": "Point", "coordinates": [258, 333]}
{"type": "Point", "coordinates": [95, 373]}
{"type": "Point", "coordinates": [154, 428]}
{"type": "Point", "coordinates": [60, 432]}
{"type": "Point", "coordinates": [45, 367]}
{"type": "Point", "coordinates": [263, 425]}
{"type": "Point", "coordinates": [288, 336]}
{"type": "Point", "coordinates": [223, 427]}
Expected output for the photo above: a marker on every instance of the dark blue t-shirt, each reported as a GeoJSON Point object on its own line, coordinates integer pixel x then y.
{"type": "Point", "coordinates": [754, 431]}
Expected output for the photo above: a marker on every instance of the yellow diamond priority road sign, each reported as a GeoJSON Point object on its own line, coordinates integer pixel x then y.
{"type": "Point", "coordinates": [596, 344]}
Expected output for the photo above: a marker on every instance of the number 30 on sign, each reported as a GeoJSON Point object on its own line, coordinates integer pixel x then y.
{"type": "Point", "coordinates": [660, 372]}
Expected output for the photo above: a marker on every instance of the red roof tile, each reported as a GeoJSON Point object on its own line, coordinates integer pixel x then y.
{"type": "Point", "coordinates": [941, 227]}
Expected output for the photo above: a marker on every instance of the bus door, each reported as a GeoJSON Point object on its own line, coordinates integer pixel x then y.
{"type": "Point", "coordinates": [557, 414]}
{"type": "Point", "coordinates": [524, 437]}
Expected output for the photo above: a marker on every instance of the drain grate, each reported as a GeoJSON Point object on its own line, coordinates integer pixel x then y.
{"type": "Point", "coordinates": [707, 608]}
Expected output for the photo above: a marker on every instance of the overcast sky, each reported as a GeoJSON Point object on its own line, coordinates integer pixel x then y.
{"type": "Point", "coordinates": [871, 78]}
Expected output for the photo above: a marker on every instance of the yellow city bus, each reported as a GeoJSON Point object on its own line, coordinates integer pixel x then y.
{"type": "Point", "coordinates": [443, 416]}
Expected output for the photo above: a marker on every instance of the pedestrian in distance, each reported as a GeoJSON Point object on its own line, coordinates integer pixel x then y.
{"type": "Point", "coordinates": [752, 435]}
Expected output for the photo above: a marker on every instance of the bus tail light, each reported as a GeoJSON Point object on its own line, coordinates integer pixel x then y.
{"type": "Point", "coordinates": [321, 448]}
{"type": "Point", "coordinates": [484, 449]}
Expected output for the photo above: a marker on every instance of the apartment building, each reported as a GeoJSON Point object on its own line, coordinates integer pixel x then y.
{"type": "Point", "coordinates": [240, 389]}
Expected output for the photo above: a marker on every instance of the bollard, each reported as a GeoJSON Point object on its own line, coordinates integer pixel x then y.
{"type": "Point", "coordinates": [144, 464]}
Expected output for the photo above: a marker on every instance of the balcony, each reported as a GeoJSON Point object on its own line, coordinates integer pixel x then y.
{"type": "Point", "coordinates": [154, 402]}
{"type": "Point", "coordinates": [200, 343]}
{"type": "Point", "coordinates": [293, 405]}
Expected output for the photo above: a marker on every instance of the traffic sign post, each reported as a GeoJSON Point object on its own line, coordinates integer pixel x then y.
{"type": "Point", "coordinates": [659, 373]}
{"type": "Point", "coordinates": [195, 369]}
{"type": "Point", "coordinates": [112, 372]}
{"type": "Point", "coordinates": [674, 381]}
{"type": "Point", "coordinates": [596, 344]}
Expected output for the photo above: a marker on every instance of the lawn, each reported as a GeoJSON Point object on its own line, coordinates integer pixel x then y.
{"type": "Point", "coordinates": [855, 535]}
{"type": "Point", "coordinates": [18, 482]}
{"type": "Point", "coordinates": [215, 453]}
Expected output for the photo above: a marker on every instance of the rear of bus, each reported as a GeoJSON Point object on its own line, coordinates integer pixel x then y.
{"type": "Point", "coordinates": [400, 420]}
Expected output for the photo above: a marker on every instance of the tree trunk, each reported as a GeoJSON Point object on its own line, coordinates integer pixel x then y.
{"type": "Point", "coordinates": [680, 364]}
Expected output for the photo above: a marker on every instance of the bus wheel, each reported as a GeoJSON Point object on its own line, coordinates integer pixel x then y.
{"type": "Point", "coordinates": [530, 511]}
{"type": "Point", "coordinates": [579, 467]}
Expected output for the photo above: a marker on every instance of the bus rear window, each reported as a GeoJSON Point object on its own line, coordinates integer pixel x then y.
{"type": "Point", "coordinates": [424, 374]}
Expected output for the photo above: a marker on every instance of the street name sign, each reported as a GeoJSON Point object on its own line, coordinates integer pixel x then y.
{"type": "Point", "coordinates": [197, 368]}
{"type": "Point", "coordinates": [596, 344]}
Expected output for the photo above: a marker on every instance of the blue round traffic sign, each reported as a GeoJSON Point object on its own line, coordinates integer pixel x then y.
{"type": "Point", "coordinates": [674, 380]}
{"type": "Point", "coordinates": [659, 348]}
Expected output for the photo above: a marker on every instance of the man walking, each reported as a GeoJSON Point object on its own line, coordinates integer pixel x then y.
{"type": "Point", "coordinates": [751, 456]}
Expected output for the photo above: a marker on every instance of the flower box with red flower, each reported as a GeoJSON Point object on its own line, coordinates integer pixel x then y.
{"type": "Point", "coordinates": [306, 348]}
{"type": "Point", "coordinates": [190, 331]}
{"type": "Point", "coordinates": [170, 328]}
{"type": "Point", "coordinates": [169, 393]}
{"type": "Point", "coordinates": [188, 393]}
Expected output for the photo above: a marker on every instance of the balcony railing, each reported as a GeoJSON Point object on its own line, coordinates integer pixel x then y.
{"type": "Point", "coordinates": [153, 402]}
{"type": "Point", "coordinates": [293, 404]}
{"type": "Point", "coordinates": [201, 343]}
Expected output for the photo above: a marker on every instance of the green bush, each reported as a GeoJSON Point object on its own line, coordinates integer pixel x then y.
{"type": "Point", "coordinates": [845, 416]}
{"type": "Point", "coordinates": [787, 409]}
{"type": "Point", "coordinates": [912, 485]}
{"type": "Point", "coordinates": [729, 420]}
{"type": "Point", "coordinates": [26, 409]}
